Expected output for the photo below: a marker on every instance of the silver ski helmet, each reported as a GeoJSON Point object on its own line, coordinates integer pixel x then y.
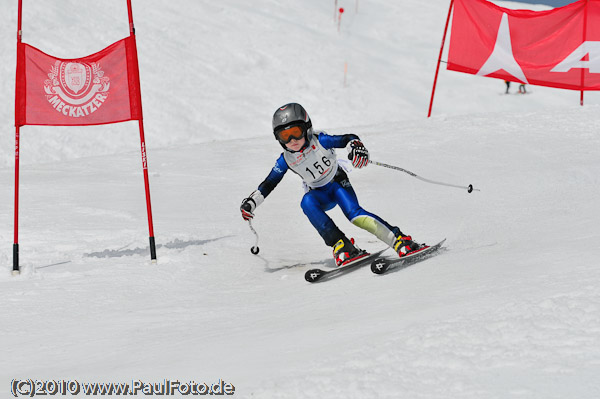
{"type": "Point", "coordinates": [288, 116]}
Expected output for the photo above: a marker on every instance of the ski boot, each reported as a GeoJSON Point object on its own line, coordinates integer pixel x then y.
{"type": "Point", "coordinates": [344, 251]}
{"type": "Point", "coordinates": [405, 245]}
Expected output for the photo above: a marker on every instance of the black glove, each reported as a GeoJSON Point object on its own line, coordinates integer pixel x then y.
{"type": "Point", "coordinates": [247, 208]}
{"type": "Point", "coordinates": [358, 154]}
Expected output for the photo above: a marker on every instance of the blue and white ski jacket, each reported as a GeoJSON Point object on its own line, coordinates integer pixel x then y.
{"type": "Point", "coordinates": [316, 164]}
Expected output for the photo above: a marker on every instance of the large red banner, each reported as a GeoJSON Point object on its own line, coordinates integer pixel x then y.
{"type": "Point", "coordinates": [97, 89]}
{"type": "Point", "coordinates": [557, 48]}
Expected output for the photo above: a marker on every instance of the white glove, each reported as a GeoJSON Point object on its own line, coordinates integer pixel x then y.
{"type": "Point", "coordinates": [249, 204]}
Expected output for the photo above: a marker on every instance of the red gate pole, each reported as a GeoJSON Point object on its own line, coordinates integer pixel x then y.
{"type": "Point", "coordinates": [143, 146]}
{"type": "Point", "coordinates": [15, 270]}
{"type": "Point", "coordinates": [147, 185]}
{"type": "Point", "coordinates": [585, 20]}
{"type": "Point", "coordinates": [437, 69]}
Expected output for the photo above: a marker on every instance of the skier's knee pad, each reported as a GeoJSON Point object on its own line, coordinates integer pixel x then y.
{"type": "Point", "coordinates": [376, 228]}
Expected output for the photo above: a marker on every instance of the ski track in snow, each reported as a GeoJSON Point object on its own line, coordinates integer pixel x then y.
{"type": "Point", "coordinates": [510, 310]}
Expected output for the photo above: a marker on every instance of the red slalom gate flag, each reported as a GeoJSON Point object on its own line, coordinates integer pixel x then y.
{"type": "Point", "coordinates": [97, 89]}
{"type": "Point", "coordinates": [557, 48]}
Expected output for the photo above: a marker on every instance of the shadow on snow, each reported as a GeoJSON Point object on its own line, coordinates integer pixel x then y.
{"type": "Point", "coordinates": [175, 244]}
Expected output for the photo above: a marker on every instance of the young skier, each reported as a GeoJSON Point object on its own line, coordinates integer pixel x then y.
{"type": "Point", "coordinates": [312, 157]}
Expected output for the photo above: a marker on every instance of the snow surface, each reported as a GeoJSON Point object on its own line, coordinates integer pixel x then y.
{"type": "Point", "coordinates": [510, 310]}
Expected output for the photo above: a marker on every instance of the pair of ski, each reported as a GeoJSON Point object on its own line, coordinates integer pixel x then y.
{"type": "Point", "coordinates": [379, 265]}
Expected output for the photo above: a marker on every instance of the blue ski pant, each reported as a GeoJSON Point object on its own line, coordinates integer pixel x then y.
{"type": "Point", "coordinates": [319, 200]}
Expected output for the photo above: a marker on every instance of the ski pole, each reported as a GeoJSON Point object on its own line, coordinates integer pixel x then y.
{"type": "Point", "coordinates": [469, 188]}
{"type": "Point", "coordinates": [255, 248]}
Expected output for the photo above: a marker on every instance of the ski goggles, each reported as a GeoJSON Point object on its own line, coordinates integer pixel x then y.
{"type": "Point", "coordinates": [293, 132]}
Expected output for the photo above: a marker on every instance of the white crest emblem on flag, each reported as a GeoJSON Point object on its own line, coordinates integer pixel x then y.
{"type": "Point", "coordinates": [75, 76]}
{"type": "Point", "coordinates": [76, 89]}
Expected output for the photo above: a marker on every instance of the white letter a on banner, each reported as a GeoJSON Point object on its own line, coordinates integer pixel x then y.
{"type": "Point", "coordinates": [575, 59]}
{"type": "Point", "coordinates": [502, 56]}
